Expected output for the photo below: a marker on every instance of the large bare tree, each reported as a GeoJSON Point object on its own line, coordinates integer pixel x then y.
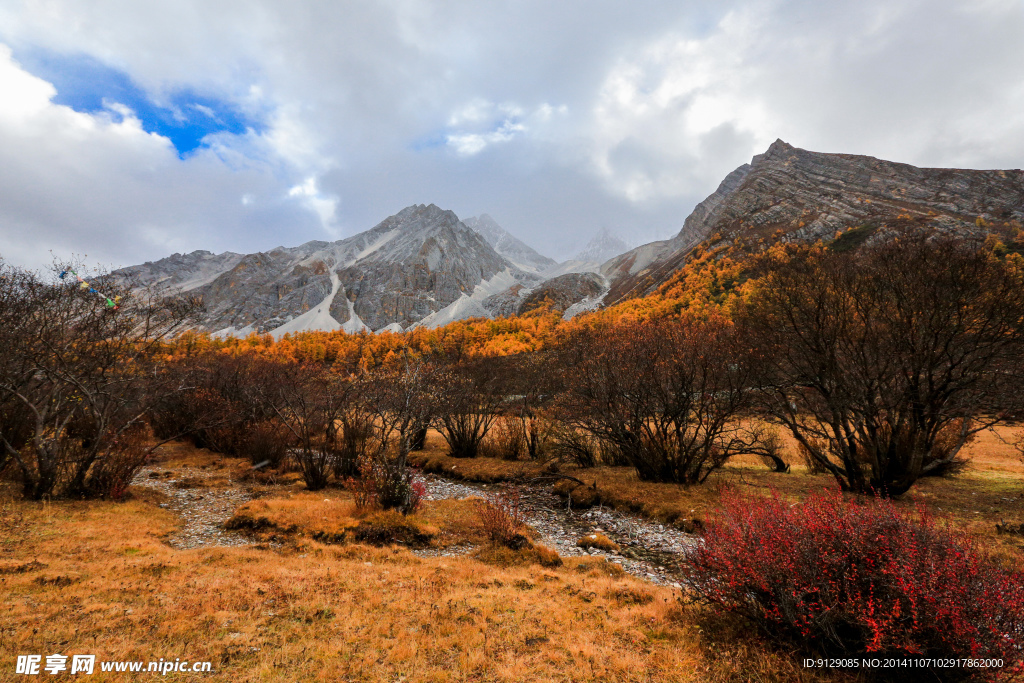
{"type": "Point", "coordinates": [76, 370]}
{"type": "Point", "coordinates": [882, 364]}
{"type": "Point", "coordinates": [667, 395]}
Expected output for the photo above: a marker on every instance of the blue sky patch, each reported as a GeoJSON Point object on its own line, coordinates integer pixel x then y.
{"type": "Point", "coordinates": [185, 116]}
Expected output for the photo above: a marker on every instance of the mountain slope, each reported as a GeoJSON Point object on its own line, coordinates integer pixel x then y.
{"type": "Point", "coordinates": [503, 242]}
{"type": "Point", "coordinates": [409, 267]}
{"type": "Point", "coordinates": [793, 194]}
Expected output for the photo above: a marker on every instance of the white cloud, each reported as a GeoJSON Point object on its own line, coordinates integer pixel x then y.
{"type": "Point", "coordinates": [552, 124]}
{"type": "Point", "coordinates": [480, 124]}
{"type": "Point", "coordinates": [906, 81]}
{"type": "Point", "coordinates": [98, 184]}
{"type": "Point", "coordinates": [323, 206]}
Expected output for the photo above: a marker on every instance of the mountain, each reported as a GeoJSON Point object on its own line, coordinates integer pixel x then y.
{"type": "Point", "coordinates": [503, 242]}
{"type": "Point", "coordinates": [420, 266]}
{"type": "Point", "coordinates": [789, 193]}
{"type": "Point", "coordinates": [601, 247]}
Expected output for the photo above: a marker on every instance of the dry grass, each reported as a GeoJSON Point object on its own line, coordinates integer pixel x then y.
{"type": "Point", "coordinates": [333, 517]}
{"type": "Point", "coordinates": [98, 578]}
{"type": "Point", "coordinates": [599, 541]}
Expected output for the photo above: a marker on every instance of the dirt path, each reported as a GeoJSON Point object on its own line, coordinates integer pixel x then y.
{"type": "Point", "coordinates": [203, 504]}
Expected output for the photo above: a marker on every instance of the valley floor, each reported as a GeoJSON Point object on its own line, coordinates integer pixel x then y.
{"type": "Point", "coordinates": [159, 577]}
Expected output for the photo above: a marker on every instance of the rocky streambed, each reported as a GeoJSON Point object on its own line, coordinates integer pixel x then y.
{"type": "Point", "coordinates": [649, 550]}
{"type": "Point", "coordinates": [203, 505]}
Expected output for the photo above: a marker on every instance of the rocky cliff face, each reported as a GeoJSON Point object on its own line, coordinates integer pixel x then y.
{"type": "Point", "coordinates": [415, 265]}
{"type": "Point", "coordinates": [793, 194]}
{"type": "Point", "coordinates": [562, 292]}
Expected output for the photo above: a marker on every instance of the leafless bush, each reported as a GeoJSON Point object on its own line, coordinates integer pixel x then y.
{"type": "Point", "coordinates": [568, 444]}
{"type": "Point", "coordinates": [356, 430]}
{"type": "Point", "coordinates": [113, 472]}
{"type": "Point", "coordinates": [83, 366]}
{"type": "Point", "coordinates": [502, 517]}
{"type": "Point", "coordinates": [812, 464]}
{"type": "Point", "coordinates": [505, 440]}
{"type": "Point", "coordinates": [665, 394]}
{"type": "Point", "coordinates": [267, 442]}
{"type": "Point", "coordinates": [467, 397]}
{"type": "Point", "coordinates": [891, 357]}
{"type": "Point", "coordinates": [398, 404]}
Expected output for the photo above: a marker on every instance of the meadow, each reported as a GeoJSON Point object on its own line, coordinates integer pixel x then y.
{"type": "Point", "coordinates": [99, 577]}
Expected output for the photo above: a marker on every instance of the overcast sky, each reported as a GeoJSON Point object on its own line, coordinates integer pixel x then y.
{"type": "Point", "coordinates": [131, 130]}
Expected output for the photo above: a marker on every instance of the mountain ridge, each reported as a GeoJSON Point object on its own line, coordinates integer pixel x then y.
{"type": "Point", "coordinates": [788, 193]}
{"type": "Point", "coordinates": [405, 269]}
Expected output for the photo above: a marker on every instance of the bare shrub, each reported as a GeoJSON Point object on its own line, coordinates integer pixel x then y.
{"type": "Point", "coordinates": [113, 472]}
{"type": "Point", "coordinates": [383, 483]}
{"type": "Point", "coordinates": [466, 397]}
{"type": "Point", "coordinates": [84, 368]}
{"type": "Point", "coordinates": [503, 519]}
{"type": "Point", "coordinates": [398, 402]}
{"type": "Point", "coordinates": [505, 440]}
{"type": "Point", "coordinates": [266, 443]}
{"type": "Point", "coordinates": [568, 444]}
{"type": "Point", "coordinates": [891, 357]}
{"type": "Point", "coordinates": [666, 394]}
{"type": "Point", "coordinates": [813, 465]}
{"type": "Point", "coordinates": [356, 429]}
{"type": "Point", "coordinates": [946, 450]}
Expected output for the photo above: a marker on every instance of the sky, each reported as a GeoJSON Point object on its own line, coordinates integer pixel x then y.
{"type": "Point", "coordinates": [133, 130]}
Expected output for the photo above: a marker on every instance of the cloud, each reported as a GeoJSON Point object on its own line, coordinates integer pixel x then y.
{"type": "Point", "coordinates": [479, 124]}
{"type": "Point", "coordinates": [99, 184]}
{"type": "Point", "coordinates": [907, 81]}
{"type": "Point", "coordinates": [246, 125]}
{"type": "Point", "coordinates": [325, 207]}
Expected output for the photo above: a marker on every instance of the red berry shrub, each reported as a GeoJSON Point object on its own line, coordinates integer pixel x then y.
{"type": "Point", "coordinates": [852, 578]}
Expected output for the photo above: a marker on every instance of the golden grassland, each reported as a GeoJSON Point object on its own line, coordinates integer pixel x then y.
{"type": "Point", "coordinates": [92, 577]}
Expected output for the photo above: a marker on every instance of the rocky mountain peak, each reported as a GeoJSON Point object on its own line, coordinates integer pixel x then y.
{"type": "Point", "coordinates": [788, 193]}
{"type": "Point", "coordinates": [601, 247]}
{"type": "Point", "coordinates": [411, 266]}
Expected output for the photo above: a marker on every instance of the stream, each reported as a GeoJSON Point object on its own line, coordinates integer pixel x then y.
{"type": "Point", "coordinates": [649, 550]}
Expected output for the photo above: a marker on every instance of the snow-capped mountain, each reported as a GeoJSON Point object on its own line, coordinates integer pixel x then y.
{"type": "Point", "coordinates": [515, 250]}
{"type": "Point", "coordinates": [420, 266]}
{"type": "Point", "coordinates": [601, 247]}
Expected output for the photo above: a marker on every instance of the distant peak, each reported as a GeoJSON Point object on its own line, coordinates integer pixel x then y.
{"type": "Point", "coordinates": [603, 246]}
{"type": "Point", "coordinates": [414, 213]}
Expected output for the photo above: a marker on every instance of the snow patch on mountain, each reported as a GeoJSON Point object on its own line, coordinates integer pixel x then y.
{"type": "Point", "coordinates": [317, 318]}
{"type": "Point", "coordinates": [471, 305]}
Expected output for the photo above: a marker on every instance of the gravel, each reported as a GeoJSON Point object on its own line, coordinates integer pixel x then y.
{"type": "Point", "coordinates": [203, 509]}
{"type": "Point", "coordinates": [649, 550]}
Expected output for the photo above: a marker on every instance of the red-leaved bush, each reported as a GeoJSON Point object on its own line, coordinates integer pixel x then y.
{"type": "Point", "coordinates": [852, 578]}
